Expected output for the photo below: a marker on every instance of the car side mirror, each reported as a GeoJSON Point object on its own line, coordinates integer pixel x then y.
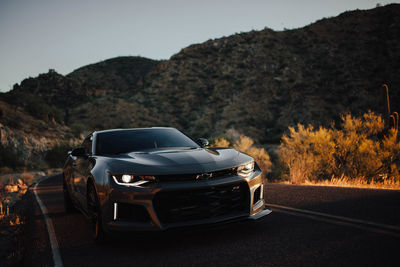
{"type": "Point", "coordinates": [203, 142]}
{"type": "Point", "coordinates": [79, 152]}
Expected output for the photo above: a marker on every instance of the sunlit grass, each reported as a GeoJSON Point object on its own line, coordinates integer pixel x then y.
{"type": "Point", "coordinates": [12, 189]}
{"type": "Point", "coordinates": [360, 182]}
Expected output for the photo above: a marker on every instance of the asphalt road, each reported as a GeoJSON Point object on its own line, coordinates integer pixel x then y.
{"type": "Point", "coordinates": [328, 226]}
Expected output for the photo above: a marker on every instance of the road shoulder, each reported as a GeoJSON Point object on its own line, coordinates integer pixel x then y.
{"type": "Point", "coordinates": [37, 250]}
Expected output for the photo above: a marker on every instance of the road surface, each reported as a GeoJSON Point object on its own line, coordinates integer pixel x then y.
{"type": "Point", "coordinates": [309, 226]}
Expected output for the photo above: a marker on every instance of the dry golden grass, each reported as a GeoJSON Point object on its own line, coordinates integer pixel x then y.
{"type": "Point", "coordinates": [360, 182]}
{"type": "Point", "coordinates": [12, 188]}
{"type": "Point", "coordinates": [7, 217]}
{"type": "Point", "coordinates": [28, 177]}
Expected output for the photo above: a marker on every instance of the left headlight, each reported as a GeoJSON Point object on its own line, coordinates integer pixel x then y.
{"type": "Point", "coordinates": [246, 170]}
{"type": "Point", "coordinates": [133, 180]}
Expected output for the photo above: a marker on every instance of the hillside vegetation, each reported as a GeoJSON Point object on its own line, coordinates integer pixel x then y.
{"type": "Point", "coordinates": [256, 83]}
{"type": "Point", "coordinates": [360, 147]}
{"type": "Point", "coordinates": [260, 82]}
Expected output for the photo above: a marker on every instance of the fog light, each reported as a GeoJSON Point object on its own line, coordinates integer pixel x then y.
{"type": "Point", "coordinates": [257, 195]}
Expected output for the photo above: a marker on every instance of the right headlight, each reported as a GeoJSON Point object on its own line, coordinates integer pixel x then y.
{"type": "Point", "coordinates": [246, 170]}
{"type": "Point", "coordinates": [133, 180]}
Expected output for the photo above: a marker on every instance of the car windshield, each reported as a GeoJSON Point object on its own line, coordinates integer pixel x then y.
{"type": "Point", "coordinates": [124, 141]}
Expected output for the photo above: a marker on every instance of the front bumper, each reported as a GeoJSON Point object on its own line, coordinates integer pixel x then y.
{"type": "Point", "coordinates": [182, 204]}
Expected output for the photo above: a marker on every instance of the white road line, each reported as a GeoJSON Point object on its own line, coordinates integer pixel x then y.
{"type": "Point", "coordinates": [362, 224]}
{"type": "Point", "coordinates": [50, 229]}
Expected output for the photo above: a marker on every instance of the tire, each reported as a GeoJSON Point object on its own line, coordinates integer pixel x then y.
{"type": "Point", "coordinates": [68, 205]}
{"type": "Point", "coordinates": [96, 226]}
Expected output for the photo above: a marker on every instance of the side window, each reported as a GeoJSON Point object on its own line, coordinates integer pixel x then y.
{"type": "Point", "coordinates": [87, 143]}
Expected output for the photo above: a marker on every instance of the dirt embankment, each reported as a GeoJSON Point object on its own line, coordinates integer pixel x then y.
{"type": "Point", "coordinates": [13, 203]}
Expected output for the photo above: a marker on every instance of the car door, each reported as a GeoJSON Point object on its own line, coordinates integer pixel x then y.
{"type": "Point", "coordinates": [82, 168]}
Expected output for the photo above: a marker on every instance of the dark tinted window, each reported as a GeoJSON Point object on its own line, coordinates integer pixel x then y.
{"type": "Point", "coordinates": [124, 141]}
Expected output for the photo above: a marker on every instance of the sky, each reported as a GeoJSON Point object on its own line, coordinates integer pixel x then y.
{"type": "Point", "coordinates": [38, 35]}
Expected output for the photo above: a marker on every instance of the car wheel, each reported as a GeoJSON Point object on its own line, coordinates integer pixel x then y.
{"type": "Point", "coordinates": [68, 205]}
{"type": "Point", "coordinates": [96, 227]}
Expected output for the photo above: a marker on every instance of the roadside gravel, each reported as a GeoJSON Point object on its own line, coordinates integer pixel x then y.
{"type": "Point", "coordinates": [13, 207]}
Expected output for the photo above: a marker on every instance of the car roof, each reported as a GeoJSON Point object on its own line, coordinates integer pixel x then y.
{"type": "Point", "coordinates": [130, 129]}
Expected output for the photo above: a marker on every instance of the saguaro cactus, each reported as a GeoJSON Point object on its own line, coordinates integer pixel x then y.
{"type": "Point", "coordinates": [393, 120]}
{"type": "Point", "coordinates": [387, 105]}
{"type": "Point", "coordinates": [396, 126]}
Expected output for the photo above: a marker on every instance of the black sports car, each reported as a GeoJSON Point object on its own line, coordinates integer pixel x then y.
{"type": "Point", "coordinates": [159, 178]}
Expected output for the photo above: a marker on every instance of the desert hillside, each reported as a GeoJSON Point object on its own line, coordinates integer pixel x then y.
{"type": "Point", "coordinates": [257, 83]}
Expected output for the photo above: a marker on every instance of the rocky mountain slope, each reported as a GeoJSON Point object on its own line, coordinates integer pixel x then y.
{"type": "Point", "coordinates": [36, 115]}
{"type": "Point", "coordinates": [261, 82]}
{"type": "Point", "coordinates": [24, 139]}
{"type": "Point", "coordinates": [111, 76]}
{"type": "Point", "coordinates": [257, 83]}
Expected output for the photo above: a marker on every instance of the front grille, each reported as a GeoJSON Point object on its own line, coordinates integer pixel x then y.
{"type": "Point", "coordinates": [198, 204]}
{"type": "Point", "coordinates": [197, 176]}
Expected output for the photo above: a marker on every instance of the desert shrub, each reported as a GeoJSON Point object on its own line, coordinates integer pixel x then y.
{"type": "Point", "coordinates": [390, 155]}
{"type": "Point", "coordinates": [55, 157]}
{"type": "Point", "coordinates": [224, 140]}
{"type": "Point", "coordinates": [36, 106]}
{"type": "Point", "coordinates": [221, 142]}
{"type": "Point", "coordinates": [6, 170]}
{"type": "Point", "coordinates": [58, 114]}
{"type": "Point", "coordinates": [307, 153]}
{"type": "Point", "coordinates": [262, 158]}
{"type": "Point", "coordinates": [246, 145]}
{"type": "Point", "coordinates": [77, 129]}
{"type": "Point", "coordinates": [360, 148]}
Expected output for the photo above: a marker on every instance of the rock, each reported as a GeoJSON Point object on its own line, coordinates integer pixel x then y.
{"type": "Point", "coordinates": [20, 182]}
{"type": "Point", "coordinates": [11, 188]}
{"type": "Point", "coordinates": [22, 186]}
{"type": "Point", "coordinates": [22, 191]}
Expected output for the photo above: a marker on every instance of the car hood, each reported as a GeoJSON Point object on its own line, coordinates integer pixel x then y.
{"type": "Point", "coordinates": [176, 161]}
